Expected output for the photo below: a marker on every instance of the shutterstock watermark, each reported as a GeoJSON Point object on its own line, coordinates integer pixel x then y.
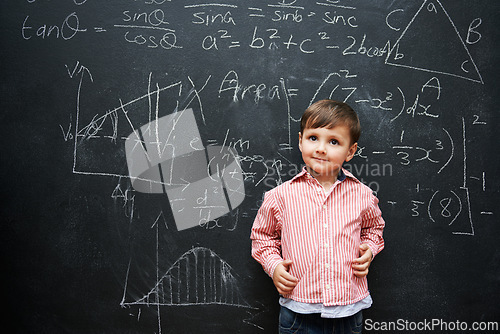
{"type": "Point", "coordinates": [365, 172]}
{"type": "Point", "coordinates": [438, 325]}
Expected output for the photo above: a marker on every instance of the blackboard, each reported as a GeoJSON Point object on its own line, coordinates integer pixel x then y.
{"type": "Point", "coordinates": [100, 237]}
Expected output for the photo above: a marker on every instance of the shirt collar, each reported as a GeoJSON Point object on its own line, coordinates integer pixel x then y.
{"type": "Point", "coordinates": [304, 173]}
{"type": "Point", "coordinates": [341, 177]}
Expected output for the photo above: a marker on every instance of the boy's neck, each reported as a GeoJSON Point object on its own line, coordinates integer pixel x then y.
{"type": "Point", "coordinates": [325, 181]}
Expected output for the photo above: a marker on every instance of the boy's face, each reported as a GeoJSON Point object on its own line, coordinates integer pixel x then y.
{"type": "Point", "coordinates": [325, 150]}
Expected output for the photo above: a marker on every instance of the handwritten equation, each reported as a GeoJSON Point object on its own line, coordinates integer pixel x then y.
{"type": "Point", "coordinates": [433, 154]}
{"type": "Point", "coordinates": [221, 27]}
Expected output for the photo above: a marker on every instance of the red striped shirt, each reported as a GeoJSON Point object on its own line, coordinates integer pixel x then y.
{"type": "Point", "coordinates": [320, 231]}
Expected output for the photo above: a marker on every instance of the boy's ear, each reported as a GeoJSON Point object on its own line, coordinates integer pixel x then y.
{"type": "Point", "coordinates": [300, 141]}
{"type": "Point", "coordinates": [352, 150]}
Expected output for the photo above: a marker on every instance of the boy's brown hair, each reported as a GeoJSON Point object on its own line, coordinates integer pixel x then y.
{"type": "Point", "coordinates": [330, 113]}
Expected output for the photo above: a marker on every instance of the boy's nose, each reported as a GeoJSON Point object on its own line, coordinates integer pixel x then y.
{"type": "Point", "coordinates": [320, 148]}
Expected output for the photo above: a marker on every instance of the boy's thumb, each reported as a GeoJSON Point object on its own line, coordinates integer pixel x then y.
{"type": "Point", "coordinates": [287, 264]}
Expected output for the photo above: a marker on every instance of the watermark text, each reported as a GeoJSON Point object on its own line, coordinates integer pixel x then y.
{"type": "Point", "coordinates": [439, 325]}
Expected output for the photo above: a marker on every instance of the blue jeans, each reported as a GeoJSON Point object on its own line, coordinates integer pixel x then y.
{"type": "Point", "coordinates": [296, 323]}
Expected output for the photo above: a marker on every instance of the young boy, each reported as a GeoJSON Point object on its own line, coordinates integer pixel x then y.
{"type": "Point", "coordinates": [317, 233]}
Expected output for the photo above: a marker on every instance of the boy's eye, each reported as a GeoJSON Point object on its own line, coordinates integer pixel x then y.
{"type": "Point", "coordinates": [313, 138]}
{"type": "Point", "coordinates": [334, 142]}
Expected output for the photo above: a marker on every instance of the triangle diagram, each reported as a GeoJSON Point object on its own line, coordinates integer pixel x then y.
{"type": "Point", "coordinates": [432, 43]}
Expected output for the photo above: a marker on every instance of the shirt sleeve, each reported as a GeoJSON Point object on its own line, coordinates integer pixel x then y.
{"type": "Point", "coordinates": [266, 235]}
{"type": "Point", "coordinates": [372, 227]}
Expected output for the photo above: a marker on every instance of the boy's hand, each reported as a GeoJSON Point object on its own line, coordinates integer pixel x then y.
{"type": "Point", "coordinates": [283, 281]}
{"type": "Point", "coordinates": [361, 264]}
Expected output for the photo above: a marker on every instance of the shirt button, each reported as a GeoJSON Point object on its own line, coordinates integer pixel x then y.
{"type": "Point", "coordinates": [324, 207]}
{"type": "Point", "coordinates": [327, 286]}
{"type": "Point", "coordinates": [325, 225]}
{"type": "Point", "coordinates": [326, 245]}
{"type": "Point", "coordinates": [327, 265]}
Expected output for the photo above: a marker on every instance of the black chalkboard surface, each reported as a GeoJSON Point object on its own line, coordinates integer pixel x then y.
{"type": "Point", "coordinates": [139, 137]}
